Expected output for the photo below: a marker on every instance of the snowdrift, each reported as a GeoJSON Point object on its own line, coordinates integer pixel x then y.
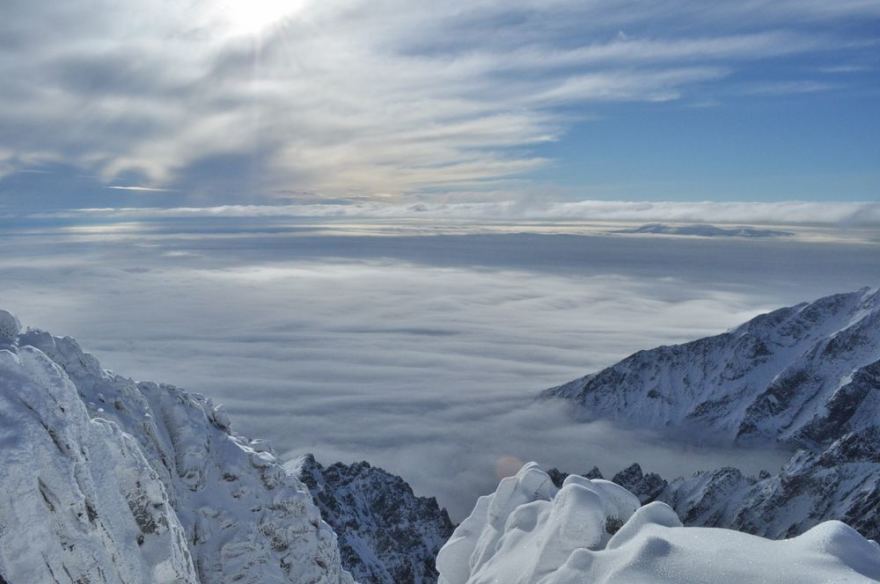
{"type": "Point", "coordinates": [530, 532]}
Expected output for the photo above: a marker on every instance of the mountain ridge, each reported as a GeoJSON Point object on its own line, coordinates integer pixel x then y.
{"type": "Point", "coordinates": [387, 535]}
{"type": "Point", "coordinates": [806, 377]}
{"type": "Point", "coordinates": [799, 376]}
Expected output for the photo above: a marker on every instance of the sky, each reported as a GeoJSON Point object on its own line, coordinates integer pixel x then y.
{"type": "Point", "coordinates": [199, 104]}
{"type": "Point", "coordinates": [377, 229]}
{"type": "Point", "coordinates": [417, 346]}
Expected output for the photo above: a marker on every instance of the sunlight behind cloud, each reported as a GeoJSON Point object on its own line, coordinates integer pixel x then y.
{"type": "Point", "coordinates": [252, 17]}
{"type": "Point", "coordinates": [238, 101]}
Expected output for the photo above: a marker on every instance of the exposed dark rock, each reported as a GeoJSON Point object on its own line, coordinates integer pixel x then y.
{"type": "Point", "coordinates": [647, 487]}
{"type": "Point", "coordinates": [387, 535]}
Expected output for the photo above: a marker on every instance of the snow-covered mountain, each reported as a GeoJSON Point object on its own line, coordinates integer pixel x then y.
{"type": "Point", "coordinates": [165, 491]}
{"type": "Point", "coordinates": [806, 376]}
{"type": "Point", "coordinates": [840, 482]}
{"type": "Point", "coordinates": [106, 480]}
{"type": "Point", "coordinates": [803, 375]}
{"type": "Point", "coordinates": [529, 532]}
{"type": "Point", "coordinates": [387, 535]}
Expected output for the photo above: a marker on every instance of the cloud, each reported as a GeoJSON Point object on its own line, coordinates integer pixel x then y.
{"type": "Point", "coordinates": [421, 352]}
{"type": "Point", "coordinates": [140, 189]}
{"type": "Point", "coordinates": [367, 98]}
{"type": "Point", "coordinates": [788, 88]}
{"type": "Point", "coordinates": [844, 214]}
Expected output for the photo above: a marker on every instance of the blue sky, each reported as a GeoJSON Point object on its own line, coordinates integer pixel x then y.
{"type": "Point", "coordinates": [270, 102]}
{"type": "Point", "coordinates": [798, 147]}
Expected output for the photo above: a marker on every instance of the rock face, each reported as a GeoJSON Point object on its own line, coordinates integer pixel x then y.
{"type": "Point", "coordinates": [529, 532]}
{"type": "Point", "coordinates": [387, 535]}
{"type": "Point", "coordinates": [78, 500]}
{"type": "Point", "coordinates": [805, 377]}
{"type": "Point", "coordinates": [108, 481]}
{"type": "Point", "coordinates": [840, 482]}
{"type": "Point", "coordinates": [647, 487]}
{"type": "Point", "coordinates": [802, 376]}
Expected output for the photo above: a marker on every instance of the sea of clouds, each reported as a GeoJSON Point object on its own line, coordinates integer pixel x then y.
{"type": "Point", "coordinates": [420, 347]}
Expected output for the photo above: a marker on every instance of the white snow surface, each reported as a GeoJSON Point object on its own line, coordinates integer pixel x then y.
{"type": "Point", "coordinates": [787, 376]}
{"type": "Point", "coordinates": [530, 532]}
{"type": "Point", "coordinates": [105, 480]}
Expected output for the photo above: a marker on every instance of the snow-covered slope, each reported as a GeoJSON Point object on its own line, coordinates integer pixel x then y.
{"type": "Point", "coordinates": [108, 480]}
{"type": "Point", "coordinates": [387, 535]}
{"type": "Point", "coordinates": [530, 532]}
{"type": "Point", "coordinates": [804, 375]}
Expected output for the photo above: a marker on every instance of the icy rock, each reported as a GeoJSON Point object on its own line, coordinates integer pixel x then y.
{"type": "Point", "coordinates": [154, 490]}
{"type": "Point", "coordinates": [387, 535]}
{"type": "Point", "coordinates": [805, 377]}
{"type": "Point", "coordinates": [801, 376]}
{"type": "Point", "coordinates": [77, 496]}
{"type": "Point", "coordinates": [9, 327]}
{"type": "Point", "coordinates": [220, 417]}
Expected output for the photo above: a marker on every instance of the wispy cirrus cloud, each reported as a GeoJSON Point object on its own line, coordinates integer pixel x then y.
{"type": "Point", "coordinates": [787, 88]}
{"type": "Point", "coordinates": [367, 98]}
{"type": "Point", "coordinates": [139, 189]}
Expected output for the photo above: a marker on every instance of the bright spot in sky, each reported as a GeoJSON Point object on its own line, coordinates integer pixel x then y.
{"type": "Point", "coordinates": [254, 16]}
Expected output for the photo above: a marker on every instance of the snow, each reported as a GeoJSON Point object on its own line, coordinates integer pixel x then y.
{"type": "Point", "coordinates": [109, 480]}
{"type": "Point", "coordinates": [773, 379]}
{"type": "Point", "coordinates": [803, 377]}
{"type": "Point", "coordinates": [77, 496]}
{"type": "Point", "coordinates": [9, 327]}
{"type": "Point", "coordinates": [528, 532]}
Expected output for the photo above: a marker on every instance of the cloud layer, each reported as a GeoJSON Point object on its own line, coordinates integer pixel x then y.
{"type": "Point", "coordinates": [363, 98]}
{"type": "Point", "coordinates": [842, 214]}
{"type": "Point", "coordinates": [419, 352]}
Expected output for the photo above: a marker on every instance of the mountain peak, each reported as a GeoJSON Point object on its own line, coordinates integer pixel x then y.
{"type": "Point", "coordinates": [789, 376]}
{"type": "Point", "coordinates": [118, 481]}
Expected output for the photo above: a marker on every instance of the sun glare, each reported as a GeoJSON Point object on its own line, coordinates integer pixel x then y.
{"type": "Point", "coordinates": [247, 17]}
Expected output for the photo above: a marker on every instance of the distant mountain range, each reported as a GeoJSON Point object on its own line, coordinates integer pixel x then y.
{"type": "Point", "coordinates": [805, 377]}
{"type": "Point", "coordinates": [705, 230]}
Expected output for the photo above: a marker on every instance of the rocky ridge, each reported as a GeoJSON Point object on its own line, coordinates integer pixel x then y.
{"type": "Point", "coordinates": [805, 378]}
{"type": "Point", "coordinates": [111, 481]}
{"type": "Point", "coordinates": [387, 535]}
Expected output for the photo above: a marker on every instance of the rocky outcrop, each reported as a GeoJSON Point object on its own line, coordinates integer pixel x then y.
{"type": "Point", "coordinates": [802, 376]}
{"type": "Point", "coordinates": [647, 487]}
{"type": "Point", "coordinates": [806, 377]}
{"type": "Point", "coordinates": [387, 535]}
{"type": "Point", "coordinates": [109, 480]}
{"type": "Point", "coordinates": [840, 482]}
